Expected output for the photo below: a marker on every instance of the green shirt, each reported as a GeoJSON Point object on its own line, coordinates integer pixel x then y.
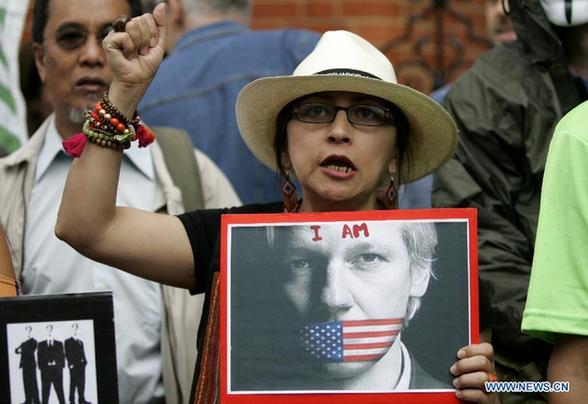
{"type": "Point", "coordinates": [557, 301]}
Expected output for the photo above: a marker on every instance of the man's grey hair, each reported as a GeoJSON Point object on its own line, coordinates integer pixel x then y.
{"type": "Point", "coordinates": [420, 239]}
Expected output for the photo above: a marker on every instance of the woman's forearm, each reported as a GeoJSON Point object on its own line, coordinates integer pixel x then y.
{"type": "Point", "coordinates": [88, 204]}
{"type": "Point", "coordinates": [150, 245]}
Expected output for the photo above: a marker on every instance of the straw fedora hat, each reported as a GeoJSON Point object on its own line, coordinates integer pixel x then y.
{"type": "Point", "coordinates": [343, 61]}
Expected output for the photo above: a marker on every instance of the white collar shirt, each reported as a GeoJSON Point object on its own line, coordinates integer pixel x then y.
{"type": "Point", "coordinates": [51, 266]}
{"type": "Point", "coordinates": [404, 380]}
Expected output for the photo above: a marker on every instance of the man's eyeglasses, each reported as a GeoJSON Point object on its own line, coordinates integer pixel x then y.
{"type": "Point", "coordinates": [358, 114]}
{"type": "Point", "coordinates": [74, 37]}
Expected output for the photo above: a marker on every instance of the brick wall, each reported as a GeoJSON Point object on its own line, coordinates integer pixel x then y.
{"type": "Point", "coordinates": [384, 21]}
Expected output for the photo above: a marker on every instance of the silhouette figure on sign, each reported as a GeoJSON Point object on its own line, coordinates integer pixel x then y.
{"type": "Point", "coordinates": [28, 364]}
{"type": "Point", "coordinates": [51, 359]}
{"type": "Point", "coordinates": [76, 362]}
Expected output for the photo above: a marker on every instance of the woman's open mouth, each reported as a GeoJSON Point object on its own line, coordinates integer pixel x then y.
{"type": "Point", "coordinates": [338, 165]}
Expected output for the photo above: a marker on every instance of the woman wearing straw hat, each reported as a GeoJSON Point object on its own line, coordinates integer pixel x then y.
{"type": "Point", "coordinates": [340, 124]}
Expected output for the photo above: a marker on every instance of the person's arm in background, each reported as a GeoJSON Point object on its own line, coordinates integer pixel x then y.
{"type": "Point", "coordinates": [8, 283]}
{"type": "Point", "coordinates": [569, 363]}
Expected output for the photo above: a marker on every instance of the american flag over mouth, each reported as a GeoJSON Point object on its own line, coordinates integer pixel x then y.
{"type": "Point", "coordinates": [350, 341]}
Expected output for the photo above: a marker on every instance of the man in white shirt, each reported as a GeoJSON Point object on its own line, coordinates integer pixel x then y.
{"type": "Point", "coordinates": [72, 65]}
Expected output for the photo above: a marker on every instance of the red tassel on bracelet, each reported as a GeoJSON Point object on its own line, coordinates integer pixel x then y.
{"type": "Point", "coordinates": [145, 136]}
{"type": "Point", "coordinates": [74, 146]}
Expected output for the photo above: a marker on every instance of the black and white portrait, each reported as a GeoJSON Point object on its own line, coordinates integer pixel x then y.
{"type": "Point", "coordinates": [350, 306]}
{"type": "Point", "coordinates": [52, 362]}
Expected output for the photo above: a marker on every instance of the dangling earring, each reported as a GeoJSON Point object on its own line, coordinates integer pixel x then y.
{"type": "Point", "coordinates": [289, 194]}
{"type": "Point", "coordinates": [392, 194]}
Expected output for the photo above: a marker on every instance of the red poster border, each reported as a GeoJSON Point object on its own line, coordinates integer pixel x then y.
{"type": "Point", "coordinates": [416, 397]}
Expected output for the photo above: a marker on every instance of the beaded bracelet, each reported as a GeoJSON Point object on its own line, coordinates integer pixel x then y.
{"type": "Point", "coordinates": [106, 126]}
{"type": "Point", "coordinates": [122, 135]}
{"type": "Point", "coordinates": [104, 139]}
{"type": "Point", "coordinates": [112, 114]}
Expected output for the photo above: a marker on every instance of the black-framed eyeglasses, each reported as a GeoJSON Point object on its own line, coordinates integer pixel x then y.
{"type": "Point", "coordinates": [74, 36]}
{"type": "Point", "coordinates": [357, 114]}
